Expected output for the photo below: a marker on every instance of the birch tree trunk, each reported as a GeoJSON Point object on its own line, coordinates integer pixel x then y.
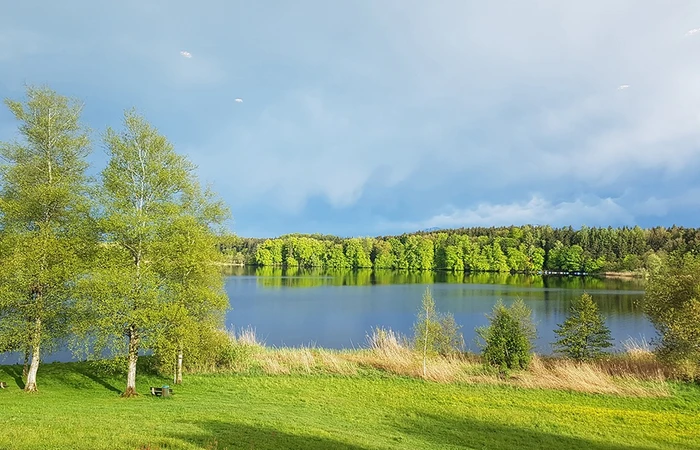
{"type": "Point", "coordinates": [178, 373]}
{"type": "Point", "coordinates": [133, 358]}
{"type": "Point", "coordinates": [36, 355]}
{"type": "Point", "coordinates": [425, 349]}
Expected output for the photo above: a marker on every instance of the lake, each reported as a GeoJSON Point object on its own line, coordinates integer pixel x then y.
{"type": "Point", "coordinates": [336, 309]}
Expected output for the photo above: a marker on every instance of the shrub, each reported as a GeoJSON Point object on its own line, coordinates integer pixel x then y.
{"type": "Point", "coordinates": [672, 304]}
{"type": "Point", "coordinates": [238, 350]}
{"type": "Point", "coordinates": [235, 356]}
{"type": "Point", "coordinates": [508, 340]}
{"type": "Point", "coordinates": [436, 333]}
{"type": "Point", "coordinates": [583, 335]}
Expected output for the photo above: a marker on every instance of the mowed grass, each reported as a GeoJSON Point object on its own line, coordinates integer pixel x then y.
{"type": "Point", "coordinates": [75, 409]}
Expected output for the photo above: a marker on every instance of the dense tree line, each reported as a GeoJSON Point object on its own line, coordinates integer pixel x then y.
{"type": "Point", "coordinates": [524, 249]}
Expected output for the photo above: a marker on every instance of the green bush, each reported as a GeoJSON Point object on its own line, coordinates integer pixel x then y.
{"type": "Point", "coordinates": [507, 342]}
{"type": "Point", "coordinates": [210, 350]}
{"type": "Point", "coordinates": [672, 304]}
{"type": "Point", "coordinates": [583, 335]}
{"type": "Point", "coordinates": [235, 356]}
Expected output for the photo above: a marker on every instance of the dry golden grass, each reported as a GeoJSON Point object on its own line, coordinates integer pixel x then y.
{"type": "Point", "coordinates": [245, 336]}
{"type": "Point", "coordinates": [636, 373]}
{"type": "Point", "coordinates": [617, 376]}
{"type": "Point", "coordinates": [637, 348]}
{"type": "Point", "coordinates": [304, 360]}
{"type": "Point", "coordinates": [386, 340]}
{"type": "Point", "coordinates": [642, 367]}
{"type": "Point", "coordinates": [592, 377]}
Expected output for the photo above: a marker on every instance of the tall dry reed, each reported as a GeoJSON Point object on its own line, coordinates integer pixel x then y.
{"type": "Point", "coordinates": [635, 373]}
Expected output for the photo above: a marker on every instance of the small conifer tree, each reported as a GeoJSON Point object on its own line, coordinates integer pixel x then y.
{"type": "Point", "coordinates": [508, 340]}
{"type": "Point", "coordinates": [583, 335]}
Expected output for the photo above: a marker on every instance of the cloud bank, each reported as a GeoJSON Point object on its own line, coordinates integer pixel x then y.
{"type": "Point", "coordinates": [433, 115]}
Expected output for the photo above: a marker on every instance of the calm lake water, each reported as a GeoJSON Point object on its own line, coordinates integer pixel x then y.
{"type": "Point", "coordinates": [337, 309]}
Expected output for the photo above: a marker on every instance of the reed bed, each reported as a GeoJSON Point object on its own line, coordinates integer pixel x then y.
{"type": "Point", "coordinates": [635, 372]}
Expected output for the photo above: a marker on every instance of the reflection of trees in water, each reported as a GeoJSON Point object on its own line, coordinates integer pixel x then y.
{"type": "Point", "coordinates": [332, 315]}
{"type": "Point", "coordinates": [295, 276]}
{"type": "Point", "coordinates": [340, 277]}
{"type": "Point", "coordinates": [613, 296]}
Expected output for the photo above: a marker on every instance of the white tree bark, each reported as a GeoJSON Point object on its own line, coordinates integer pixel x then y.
{"type": "Point", "coordinates": [36, 355]}
{"type": "Point", "coordinates": [425, 349]}
{"type": "Point", "coordinates": [178, 375]}
{"type": "Point", "coordinates": [425, 343]}
{"type": "Point", "coordinates": [133, 358]}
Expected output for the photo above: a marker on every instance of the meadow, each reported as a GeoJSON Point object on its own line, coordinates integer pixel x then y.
{"type": "Point", "coordinates": [363, 399]}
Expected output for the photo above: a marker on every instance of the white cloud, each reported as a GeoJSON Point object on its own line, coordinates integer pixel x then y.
{"type": "Point", "coordinates": [692, 32]}
{"type": "Point", "coordinates": [497, 95]}
{"type": "Point", "coordinates": [186, 54]}
{"type": "Point", "coordinates": [535, 211]}
{"type": "Point", "coordinates": [239, 100]}
{"type": "Point", "coordinates": [659, 207]}
{"type": "Point", "coordinates": [500, 109]}
{"type": "Point", "coordinates": [304, 146]}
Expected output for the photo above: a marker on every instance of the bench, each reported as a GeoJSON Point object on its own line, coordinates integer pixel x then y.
{"type": "Point", "coordinates": [3, 385]}
{"type": "Point", "coordinates": [164, 391]}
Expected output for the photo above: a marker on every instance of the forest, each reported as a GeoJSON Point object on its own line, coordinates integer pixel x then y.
{"type": "Point", "coordinates": [516, 249]}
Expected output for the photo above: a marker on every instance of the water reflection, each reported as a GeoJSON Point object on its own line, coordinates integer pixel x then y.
{"type": "Point", "coordinates": [336, 308]}
{"type": "Point", "coordinates": [304, 278]}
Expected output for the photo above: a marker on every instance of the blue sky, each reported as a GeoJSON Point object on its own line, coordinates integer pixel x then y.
{"type": "Point", "coordinates": [375, 117]}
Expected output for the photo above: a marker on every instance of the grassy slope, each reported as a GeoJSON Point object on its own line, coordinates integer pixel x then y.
{"type": "Point", "coordinates": [76, 409]}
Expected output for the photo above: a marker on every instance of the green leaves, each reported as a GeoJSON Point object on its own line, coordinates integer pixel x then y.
{"type": "Point", "coordinates": [508, 340]}
{"type": "Point", "coordinates": [47, 234]}
{"type": "Point", "coordinates": [583, 335]}
{"type": "Point", "coordinates": [436, 332]}
{"type": "Point", "coordinates": [158, 281]}
{"type": "Point", "coordinates": [672, 303]}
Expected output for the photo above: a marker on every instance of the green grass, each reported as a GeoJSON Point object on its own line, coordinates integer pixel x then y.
{"type": "Point", "coordinates": [76, 409]}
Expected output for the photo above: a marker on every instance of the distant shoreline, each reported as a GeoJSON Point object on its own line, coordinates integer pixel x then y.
{"type": "Point", "coordinates": [624, 275]}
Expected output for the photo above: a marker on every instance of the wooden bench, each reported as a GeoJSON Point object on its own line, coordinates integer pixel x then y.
{"type": "Point", "coordinates": [3, 385]}
{"type": "Point", "coordinates": [164, 391]}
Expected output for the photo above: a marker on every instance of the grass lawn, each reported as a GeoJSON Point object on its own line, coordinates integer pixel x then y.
{"type": "Point", "coordinates": [76, 409]}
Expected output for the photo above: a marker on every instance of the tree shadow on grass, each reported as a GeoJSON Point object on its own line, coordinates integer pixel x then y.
{"type": "Point", "coordinates": [16, 373]}
{"type": "Point", "coordinates": [101, 381]}
{"type": "Point", "coordinates": [217, 435]}
{"type": "Point", "coordinates": [470, 433]}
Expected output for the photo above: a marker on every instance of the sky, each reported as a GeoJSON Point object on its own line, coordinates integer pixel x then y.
{"type": "Point", "coordinates": [377, 117]}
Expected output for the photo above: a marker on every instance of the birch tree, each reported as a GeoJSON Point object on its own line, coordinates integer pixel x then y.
{"type": "Point", "coordinates": [46, 233]}
{"type": "Point", "coordinates": [196, 302]}
{"type": "Point", "coordinates": [435, 332]}
{"type": "Point", "coordinates": [146, 196]}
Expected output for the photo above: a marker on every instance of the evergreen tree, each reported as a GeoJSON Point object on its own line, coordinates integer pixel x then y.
{"type": "Point", "coordinates": [508, 340]}
{"type": "Point", "coordinates": [583, 335]}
